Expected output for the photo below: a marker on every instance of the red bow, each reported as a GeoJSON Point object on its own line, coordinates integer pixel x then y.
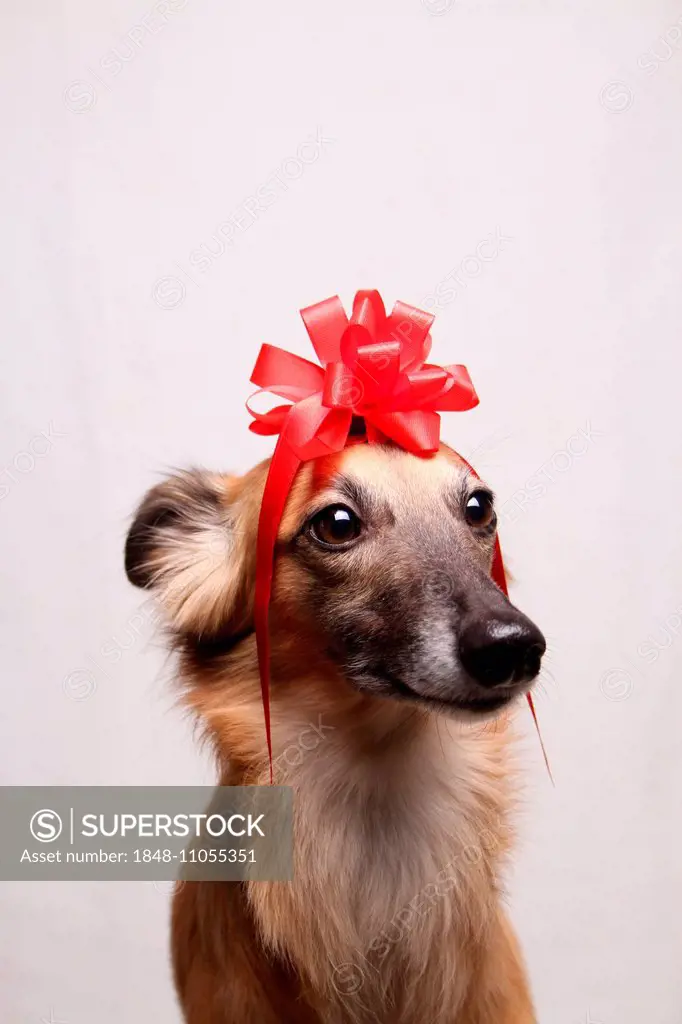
{"type": "Point", "coordinates": [373, 366]}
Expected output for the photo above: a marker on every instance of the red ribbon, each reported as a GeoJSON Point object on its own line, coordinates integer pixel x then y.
{"type": "Point", "coordinates": [373, 366]}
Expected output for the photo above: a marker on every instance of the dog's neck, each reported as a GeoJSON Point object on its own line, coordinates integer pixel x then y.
{"type": "Point", "coordinates": [400, 824]}
{"type": "Point", "coordinates": [322, 725]}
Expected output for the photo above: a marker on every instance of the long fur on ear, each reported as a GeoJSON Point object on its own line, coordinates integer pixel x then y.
{"type": "Point", "coordinates": [189, 545]}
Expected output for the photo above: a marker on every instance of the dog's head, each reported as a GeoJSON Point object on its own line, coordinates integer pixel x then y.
{"type": "Point", "coordinates": [382, 569]}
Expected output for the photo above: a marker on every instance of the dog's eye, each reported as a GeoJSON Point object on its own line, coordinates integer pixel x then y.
{"type": "Point", "coordinates": [479, 509]}
{"type": "Point", "coordinates": [335, 525]}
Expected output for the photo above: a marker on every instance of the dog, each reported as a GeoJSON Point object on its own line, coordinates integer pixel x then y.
{"type": "Point", "coordinates": [390, 645]}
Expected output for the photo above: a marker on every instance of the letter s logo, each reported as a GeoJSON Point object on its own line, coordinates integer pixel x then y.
{"type": "Point", "coordinates": [46, 826]}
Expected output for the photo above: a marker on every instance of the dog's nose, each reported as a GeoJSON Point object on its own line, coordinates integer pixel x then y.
{"type": "Point", "coordinates": [496, 650]}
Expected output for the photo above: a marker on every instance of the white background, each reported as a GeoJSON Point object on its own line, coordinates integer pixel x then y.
{"type": "Point", "coordinates": [550, 123]}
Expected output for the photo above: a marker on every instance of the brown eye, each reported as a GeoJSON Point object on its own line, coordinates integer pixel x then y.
{"type": "Point", "coordinates": [479, 509]}
{"type": "Point", "coordinates": [335, 525]}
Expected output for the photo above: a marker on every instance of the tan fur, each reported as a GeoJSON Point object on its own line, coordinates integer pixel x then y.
{"type": "Point", "coordinates": [401, 827]}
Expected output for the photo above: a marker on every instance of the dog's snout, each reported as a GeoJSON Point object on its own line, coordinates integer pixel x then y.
{"type": "Point", "coordinates": [500, 650]}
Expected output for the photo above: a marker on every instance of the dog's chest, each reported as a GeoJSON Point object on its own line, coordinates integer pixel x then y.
{"type": "Point", "coordinates": [391, 835]}
{"type": "Point", "coordinates": [391, 870]}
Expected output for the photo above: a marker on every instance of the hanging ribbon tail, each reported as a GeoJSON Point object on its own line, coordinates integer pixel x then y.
{"type": "Point", "coordinates": [499, 577]}
{"type": "Point", "coordinates": [283, 468]}
{"type": "Point", "coordinates": [531, 705]}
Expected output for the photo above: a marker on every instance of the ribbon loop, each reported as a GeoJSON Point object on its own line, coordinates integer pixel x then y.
{"type": "Point", "coordinates": [279, 371]}
{"type": "Point", "coordinates": [369, 312]}
{"type": "Point", "coordinates": [411, 326]}
{"type": "Point", "coordinates": [325, 323]}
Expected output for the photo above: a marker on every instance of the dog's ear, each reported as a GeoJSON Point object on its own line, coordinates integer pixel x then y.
{"type": "Point", "coordinates": [192, 543]}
